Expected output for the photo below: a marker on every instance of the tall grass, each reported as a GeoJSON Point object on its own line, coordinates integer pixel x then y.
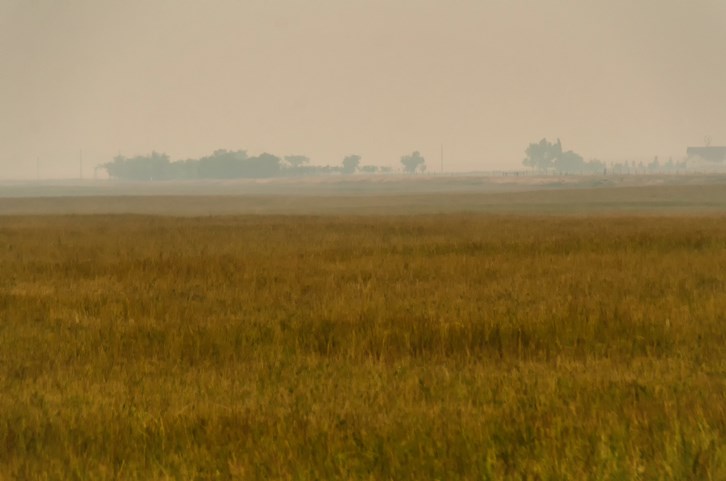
{"type": "Point", "coordinates": [420, 347]}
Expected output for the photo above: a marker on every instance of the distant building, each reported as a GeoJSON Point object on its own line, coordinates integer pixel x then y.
{"type": "Point", "coordinates": [715, 154]}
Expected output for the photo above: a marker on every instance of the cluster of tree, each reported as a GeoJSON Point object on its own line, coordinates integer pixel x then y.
{"type": "Point", "coordinates": [653, 167]}
{"type": "Point", "coordinates": [546, 156]}
{"type": "Point", "coordinates": [224, 164]}
{"type": "Point", "coordinates": [221, 164]}
{"type": "Point", "coordinates": [413, 163]}
{"type": "Point", "coordinates": [549, 157]}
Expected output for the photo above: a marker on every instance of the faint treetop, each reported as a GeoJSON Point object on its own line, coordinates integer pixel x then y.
{"type": "Point", "coordinates": [296, 161]}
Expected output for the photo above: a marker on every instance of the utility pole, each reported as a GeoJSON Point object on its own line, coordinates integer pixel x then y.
{"type": "Point", "coordinates": [442, 158]}
{"type": "Point", "coordinates": [80, 164]}
{"type": "Point", "coordinates": [37, 168]}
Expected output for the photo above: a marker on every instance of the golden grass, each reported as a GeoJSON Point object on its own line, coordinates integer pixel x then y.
{"type": "Point", "coordinates": [417, 347]}
{"type": "Point", "coordinates": [379, 195]}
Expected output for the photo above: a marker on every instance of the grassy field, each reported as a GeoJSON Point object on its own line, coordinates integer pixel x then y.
{"type": "Point", "coordinates": [376, 195]}
{"type": "Point", "coordinates": [458, 346]}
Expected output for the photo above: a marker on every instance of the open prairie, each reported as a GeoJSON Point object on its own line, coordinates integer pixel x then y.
{"type": "Point", "coordinates": [377, 194]}
{"type": "Point", "coordinates": [429, 336]}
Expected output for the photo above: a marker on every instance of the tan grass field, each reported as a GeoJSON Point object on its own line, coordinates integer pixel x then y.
{"type": "Point", "coordinates": [403, 342]}
{"type": "Point", "coordinates": [374, 195]}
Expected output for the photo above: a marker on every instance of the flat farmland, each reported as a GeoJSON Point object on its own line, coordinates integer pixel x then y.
{"type": "Point", "coordinates": [401, 342]}
{"type": "Point", "coordinates": [376, 195]}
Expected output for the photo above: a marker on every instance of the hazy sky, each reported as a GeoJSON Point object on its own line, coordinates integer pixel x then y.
{"type": "Point", "coordinates": [613, 79]}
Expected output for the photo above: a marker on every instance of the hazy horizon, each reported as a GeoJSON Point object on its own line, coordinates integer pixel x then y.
{"type": "Point", "coordinates": [613, 80]}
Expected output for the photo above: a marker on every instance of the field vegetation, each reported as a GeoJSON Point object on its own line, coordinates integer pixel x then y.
{"type": "Point", "coordinates": [458, 346]}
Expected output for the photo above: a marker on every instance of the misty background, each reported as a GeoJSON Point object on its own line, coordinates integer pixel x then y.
{"type": "Point", "coordinates": [614, 80]}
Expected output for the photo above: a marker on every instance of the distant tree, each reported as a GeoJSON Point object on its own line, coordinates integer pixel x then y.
{"type": "Point", "coordinates": [569, 162]}
{"type": "Point", "coordinates": [264, 165]}
{"type": "Point", "coordinates": [655, 165]}
{"type": "Point", "coordinates": [369, 169]}
{"type": "Point", "coordinates": [223, 164]}
{"type": "Point", "coordinates": [296, 161]}
{"type": "Point", "coordinates": [413, 162]}
{"type": "Point", "coordinates": [184, 169]}
{"type": "Point", "coordinates": [154, 166]}
{"type": "Point", "coordinates": [350, 164]}
{"type": "Point", "coordinates": [595, 166]}
{"type": "Point", "coordinates": [117, 167]}
{"type": "Point", "coordinates": [549, 156]}
{"type": "Point", "coordinates": [542, 155]}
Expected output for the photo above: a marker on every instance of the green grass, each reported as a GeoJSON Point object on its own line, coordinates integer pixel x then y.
{"type": "Point", "coordinates": [457, 346]}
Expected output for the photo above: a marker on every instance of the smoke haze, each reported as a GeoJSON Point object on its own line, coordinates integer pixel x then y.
{"type": "Point", "coordinates": [326, 78]}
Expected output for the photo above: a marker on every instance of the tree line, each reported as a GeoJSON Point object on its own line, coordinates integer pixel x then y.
{"type": "Point", "coordinates": [225, 164]}
{"type": "Point", "coordinates": [542, 156]}
{"type": "Point", "coordinates": [549, 156]}
{"type": "Point", "coordinates": [545, 156]}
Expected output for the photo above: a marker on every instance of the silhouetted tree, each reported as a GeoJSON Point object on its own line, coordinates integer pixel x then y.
{"type": "Point", "coordinates": [595, 166]}
{"type": "Point", "coordinates": [184, 169]}
{"type": "Point", "coordinates": [350, 164]}
{"type": "Point", "coordinates": [655, 165]}
{"type": "Point", "coordinates": [264, 165]}
{"type": "Point", "coordinates": [542, 155]}
{"type": "Point", "coordinates": [547, 156]}
{"type": "Point", "coordinates": [223, 164]}
{"type": "Point", "coordinates": [569, 162]}
{"type": "Point", "coordinates": [151, 167]}
{"type": "Point", "coordinates": [413, 163]}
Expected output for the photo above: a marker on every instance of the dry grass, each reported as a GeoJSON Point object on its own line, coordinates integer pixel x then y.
{"type": "Point", "coordinates": [419, 347]}
{"type": "Point", "coordinates": [378, 195]}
